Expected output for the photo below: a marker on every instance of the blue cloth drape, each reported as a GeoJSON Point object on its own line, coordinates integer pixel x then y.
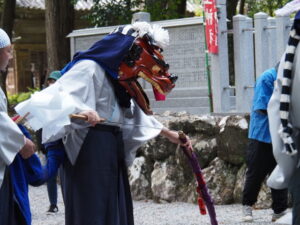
{"type": "Point", "coordinates": [108, 53]}
{"type": "Point", "coordinates": [30, 171]}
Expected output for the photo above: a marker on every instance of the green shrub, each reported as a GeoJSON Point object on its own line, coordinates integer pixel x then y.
{"type": "Point", "coordinates": [20, 97]}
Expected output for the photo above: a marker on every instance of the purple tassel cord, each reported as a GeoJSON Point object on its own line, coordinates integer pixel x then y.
{"type": "Point", "coordinates": [204, 198]}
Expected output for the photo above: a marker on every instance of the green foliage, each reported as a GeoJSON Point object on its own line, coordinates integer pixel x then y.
{"type": "Point", "coordinates": [20, 97]}
{"type": "Point", "coordinates": [74, 2]}
{"type": "Point", "coordinates": [108, 13]}
{"type": "Point", "coordinates": [163, 9]}
{"type": "Point", "coordinates": [267, 6]}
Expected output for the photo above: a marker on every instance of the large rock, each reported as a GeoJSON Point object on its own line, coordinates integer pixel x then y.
{"type": "Point", "coordinates": [239, 184]}
{"type": "Point", "coordinates": [264, 197]}
{"type": "Point", "coordinates": [162, 185]}
{"type": "Point", "coordinates": [161, 170]}
{"type": "Point", "coordinates": [170, 183]}
{"type": "Point", "coordinates": [202, 131]}
{"type": "Point", "coordinates": [220, 178]}
{"type": "Point", "coordinates": [158, 149]}
{"type": "Point", "coordinates": [206, 150]}
{"type": "Point", "coordinates": [232, 140]}
{"type": "Point", "coordinates": [139, 180]}
{"type": "Point", "coordinates": [205, 126]}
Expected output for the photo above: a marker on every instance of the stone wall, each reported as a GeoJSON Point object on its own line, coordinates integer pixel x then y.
{"type": "Point", "coordinates": [161, 171]}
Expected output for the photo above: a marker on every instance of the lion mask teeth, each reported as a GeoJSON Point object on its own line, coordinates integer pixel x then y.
{"type": "Point", "coordinates": [155, 85]}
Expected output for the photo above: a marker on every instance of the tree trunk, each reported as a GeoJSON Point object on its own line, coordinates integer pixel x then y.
{"type": "Point", "coordinates": [128, 5]}
{"type": "Point", "coordinates": [242, 7]}
{"type": "Point", "coordinates": [231, 11]}
{"type": "Point", "coordinates": [7, 24]}
{"type": "Point", "coordinates": [59, 19]}
{"type": "Point", "coordinates": [181, 8]}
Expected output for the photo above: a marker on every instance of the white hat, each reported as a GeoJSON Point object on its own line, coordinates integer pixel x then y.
{"type": "Point", "coordinates": [4, 39]}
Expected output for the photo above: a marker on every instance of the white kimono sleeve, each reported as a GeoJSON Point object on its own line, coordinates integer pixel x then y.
{"type": "Point", "coordinates": [137, 131]}
{"type": "Point", "coordinates": [11, 138]}
{"type": "Point", "coordinates": [72, 93]}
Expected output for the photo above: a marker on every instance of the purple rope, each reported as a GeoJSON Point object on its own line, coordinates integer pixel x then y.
{"type": "Point", "coordinates": [201, 183]}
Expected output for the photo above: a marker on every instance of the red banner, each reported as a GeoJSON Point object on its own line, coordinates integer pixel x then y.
{"type": "Point", "coordinates": [211, 28]}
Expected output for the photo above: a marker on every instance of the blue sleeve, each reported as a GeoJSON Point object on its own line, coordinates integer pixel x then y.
{"type": "Point", "coordinates": [34, 170]}
{"type": "Point", "coordinates": [38, 174]}
{"type": "Point", "coordinates": [263, 92]}
{"type": "Point", "coordinates": [55, 157]}
{"type": "Point", "coordinates": [32, 165]}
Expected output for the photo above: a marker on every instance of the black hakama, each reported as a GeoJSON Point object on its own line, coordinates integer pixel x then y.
{"type": "Point", "coordinates": [96, 189]}
{"type": "Point", "coordinates": [10, 213]}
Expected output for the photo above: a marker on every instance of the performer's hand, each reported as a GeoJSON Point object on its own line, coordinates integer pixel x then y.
{"type": "Point", "coordinates": [28, 149]}
{"type": "Point", "coordinates": [174, 137]}
{"type": "Point", "coordinates": [92, 117]}
{"type": "Point", "coordinates": [188, 143]}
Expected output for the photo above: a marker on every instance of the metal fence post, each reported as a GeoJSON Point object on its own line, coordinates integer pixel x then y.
{"type": "Point", "coordinates": [283, 25]}
{"type": "Point", "coordinates": [140, 16]}
{"type": "Point", "coordinates": [243, 61]}
{"type": "Point", "coordinates": [261, 43]}
{"type": "Point", "coordinates": [219, 65]}
{"type": "Point", "coordinates": [272, 42]}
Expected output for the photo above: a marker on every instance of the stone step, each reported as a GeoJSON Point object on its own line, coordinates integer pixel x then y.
{"type": "Point", "coordinates": [191, 110]}
{"type": "Point", "coordinates": [183, 92]}
{"type": "Point", "coordinates": [181, 102]}
{"type": "Point", "coordinates": [199, 106]}
{"type": "Point", "coordinates": [192, 100]}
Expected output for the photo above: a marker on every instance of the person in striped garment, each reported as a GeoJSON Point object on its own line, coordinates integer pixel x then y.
{"type": "Point", "coordinates": [284, 115]}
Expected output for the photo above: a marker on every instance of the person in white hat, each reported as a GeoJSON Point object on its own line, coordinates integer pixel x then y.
{"type": "Point", "coordinates": [5, 46]}
{"type": "Point", "coordinates": [12, 141]}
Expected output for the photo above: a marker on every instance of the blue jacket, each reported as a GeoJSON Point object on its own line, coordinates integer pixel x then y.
{"type": "Point", "coordinates": [259, 122]}
{"type": "Point", "coordinates": [30, 171]}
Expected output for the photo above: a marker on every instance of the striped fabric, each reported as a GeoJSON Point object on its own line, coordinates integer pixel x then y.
{"type": "Point", "coordinates": [286, 130]}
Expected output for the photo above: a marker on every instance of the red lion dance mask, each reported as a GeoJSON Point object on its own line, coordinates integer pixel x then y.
{"type": "Point", "coordinates": [145, 61]}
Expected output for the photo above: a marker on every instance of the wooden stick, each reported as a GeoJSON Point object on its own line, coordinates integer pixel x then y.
{"type": "Point", "coordinates": [78, 116]}
{"type": "Point", "coordinates": [183, 139]}
{"type": "Point", "coordinates": [21, 118]}
{"type": "Point", "coordinates": [84, 117]}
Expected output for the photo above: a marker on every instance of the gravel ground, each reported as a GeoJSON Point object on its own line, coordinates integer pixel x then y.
{"type": "Point", "coordinates": [149, 213]}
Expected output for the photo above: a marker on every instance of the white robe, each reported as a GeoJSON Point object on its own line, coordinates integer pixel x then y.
{"type": "Point", "coordinates": [88, 88]}
{"type": "Point", "coordinates": [11, 138]}
{"type": "Point", "coordinates": [286, 164]}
